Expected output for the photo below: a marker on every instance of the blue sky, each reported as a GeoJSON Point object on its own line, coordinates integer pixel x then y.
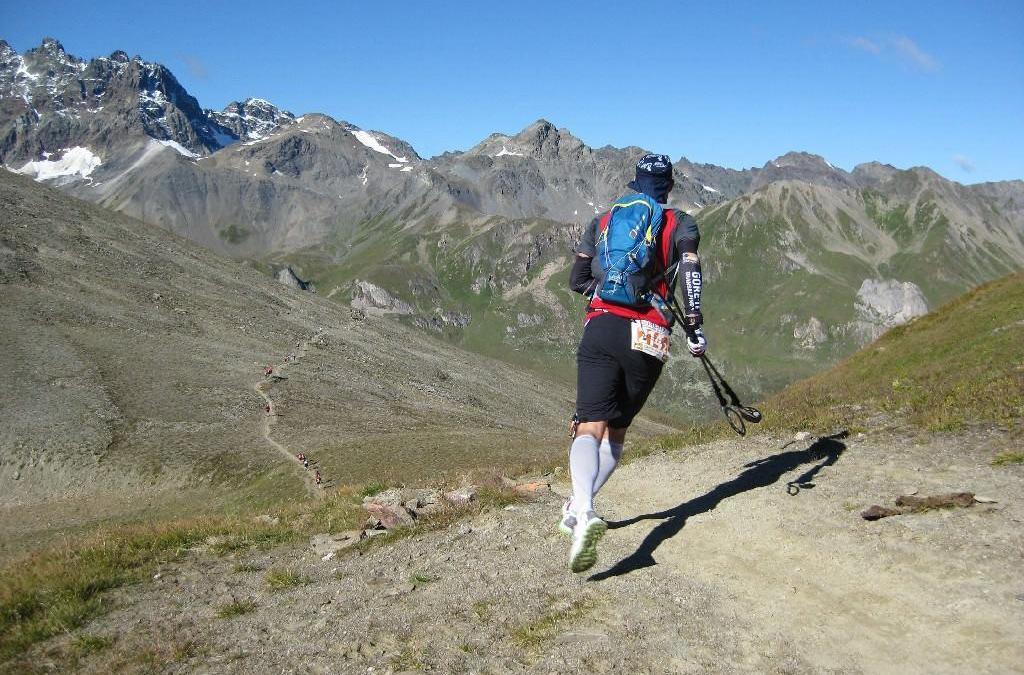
{"type": "Point", "coordinates": [908, 83]}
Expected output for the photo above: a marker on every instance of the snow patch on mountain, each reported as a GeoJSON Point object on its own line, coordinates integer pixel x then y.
{"type": "Point", "coordinates": [370, 141]}
{"type": "Point", "coordinates": [180, 149]}
{"type": "Point", "coordinates": [506, 151]}
{"type": "Point", "coordinates": [76, 161]}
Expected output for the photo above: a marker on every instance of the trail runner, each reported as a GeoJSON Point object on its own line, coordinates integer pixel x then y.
{"type": "Point", "coordinates": [624, 346]}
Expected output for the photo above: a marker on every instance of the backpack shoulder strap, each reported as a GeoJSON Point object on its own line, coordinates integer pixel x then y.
{"type": "Point", "coordinates": [605, 219]}
{"type": "Point", "coordinates": [667, 235]}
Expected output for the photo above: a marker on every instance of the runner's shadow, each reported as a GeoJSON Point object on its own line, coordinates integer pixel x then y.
{"type": "Point", "coordinates": [759, 473]}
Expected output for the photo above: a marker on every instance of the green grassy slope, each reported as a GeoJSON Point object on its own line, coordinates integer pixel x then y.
{"type": "Point", "coordinates": [783, 267]}
{"type": "Point", "coordinates": [961, 364]}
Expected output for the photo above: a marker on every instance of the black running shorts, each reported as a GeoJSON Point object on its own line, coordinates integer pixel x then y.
{"type": "Point", "coordinates": [613, 381]}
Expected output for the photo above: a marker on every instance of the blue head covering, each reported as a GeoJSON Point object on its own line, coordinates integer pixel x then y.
{"type": "Point", "coordinates": [653, 177]}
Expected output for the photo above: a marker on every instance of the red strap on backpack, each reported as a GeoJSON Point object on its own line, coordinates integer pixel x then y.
{"type": "Point", "coordinates": [667, 233]}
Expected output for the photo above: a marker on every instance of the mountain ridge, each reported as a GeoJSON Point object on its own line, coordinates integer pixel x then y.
{"type": "Point", "coordinates": [473, 244]}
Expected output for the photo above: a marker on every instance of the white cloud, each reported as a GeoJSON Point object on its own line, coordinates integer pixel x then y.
{"type": "Point", "coordinates": [909, 50]}
{"type": "Point", "coordinates": [899, 47]}
{"type": "Point", "coordinates": [865, 44]}
{"type": "Point", "coordinates": [964, 163]}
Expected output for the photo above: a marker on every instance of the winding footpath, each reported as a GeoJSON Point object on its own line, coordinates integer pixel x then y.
{"type": "Point", "coordinates": [270, 417]}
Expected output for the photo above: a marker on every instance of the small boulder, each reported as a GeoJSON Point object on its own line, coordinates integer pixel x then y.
{"type": "Point", "coordinates": [390, 496]}
{"type": "Point", "coordinates": [429, 501]}
{"type": "Point", "coordinates": [388, 516]}
{"type": "Point", "coordinates": [463, 495]}
{"type": "Point", "coordinates": [877, 512]}
{"type": "Point", "coordinates": [326, 545]}
{"type": "Point", "coordinates": [533, 487]}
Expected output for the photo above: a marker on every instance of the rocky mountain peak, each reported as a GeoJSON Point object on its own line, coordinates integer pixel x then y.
{"type": "Point", "coordinates": [543, 140]}
{"type": "Point", "coordinates": [873, 174]}
{"type": "Point", "coordinates": [51, 58]}
{"type": "Point", "coordinates": [803, 166]}
{"type": "Point", "coordinates": [252, 119]}
{"type": "Point", "coordinates": [802, 160]}
{"type": "Point", "coordinates": [53, 47]}
{"type": "Point", "coordinates": [6, 51]}
{"type": "Point", "coordinates": [120, 56]}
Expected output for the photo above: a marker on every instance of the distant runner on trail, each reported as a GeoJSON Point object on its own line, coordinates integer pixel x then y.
{"type": "Point", "coordinates": [317, 478]}
{"type": "Point", "coordinates": [627, 262]}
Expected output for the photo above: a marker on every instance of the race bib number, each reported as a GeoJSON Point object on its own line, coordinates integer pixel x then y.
{"type": "Point", "coordinates": [650, 338]}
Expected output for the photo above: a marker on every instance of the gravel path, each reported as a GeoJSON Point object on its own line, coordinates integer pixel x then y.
{"type": "Point", "coordinates": [262, 388]}
{"type": "Point", "coordinates": [739, 556]}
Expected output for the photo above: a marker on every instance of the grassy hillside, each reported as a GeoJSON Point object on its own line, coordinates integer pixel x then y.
{"type": "Point", "coordinates": [959, 365]}
{"type": "Point", "coordinates": [784, 266]}
{"type": "Point", "coordinates": [132, 357]}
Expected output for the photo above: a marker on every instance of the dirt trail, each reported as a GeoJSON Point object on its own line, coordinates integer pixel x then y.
{"type": "Point", "coordinates": [740, 556]}
{"type": "Point", "coordinates": [262, 387]}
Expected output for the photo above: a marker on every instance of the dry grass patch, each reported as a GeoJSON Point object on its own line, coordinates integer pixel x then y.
{"type": "Point", "coordinates": [1008, 457]}
{"type": "Point", "coordinates": [282, 578]}
{"type": "Point", "coordinates": [87, 643]}
{"type": "Point", "coordinates": [535, 633]}
{"type": "Point", "coordinates": [59, 589]}
{"type": "Point", "coordinates": [236, 608]}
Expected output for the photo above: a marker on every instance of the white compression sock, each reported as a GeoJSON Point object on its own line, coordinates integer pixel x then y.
{"type": "Point", "coordinates": [609, 454]}
{"type": "Point", "coordinates": [583, 467]}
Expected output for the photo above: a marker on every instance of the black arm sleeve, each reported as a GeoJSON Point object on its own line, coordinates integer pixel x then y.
{"type": "Point", "coordinates": [689, 271]}
{"type": "Point", "coordinates": [687, 241]}
{"type": "Point", "coordinates": [581, 279]}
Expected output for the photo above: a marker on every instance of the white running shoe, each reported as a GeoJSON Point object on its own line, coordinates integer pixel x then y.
{"type": "Point", "coordinates": [588, 531]}
{"type": "Point", "coordinates": [568, 522]}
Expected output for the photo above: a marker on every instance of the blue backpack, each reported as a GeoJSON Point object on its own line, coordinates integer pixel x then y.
{"type": "Point", "coordinates": [625, 249]}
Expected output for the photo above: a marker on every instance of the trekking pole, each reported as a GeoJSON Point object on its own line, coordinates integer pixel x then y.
{"type": "Point", "coordinates": [736, 414]}
{"type": "Point", "coordinates": [749, 413]}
